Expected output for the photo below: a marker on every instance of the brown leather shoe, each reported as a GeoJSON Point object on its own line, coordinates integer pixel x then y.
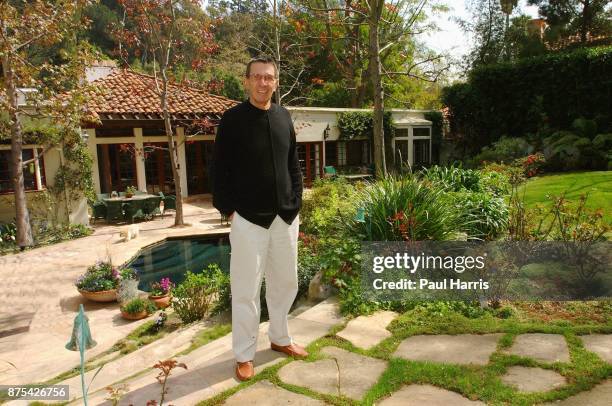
{"type": "Point", "coordinates": [244, 370]}
{"type": "Point", "coordinates": [292, 350]}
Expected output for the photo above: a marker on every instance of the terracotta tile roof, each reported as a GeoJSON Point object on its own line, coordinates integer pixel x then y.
{"type": "Point", "coordinates": [125, 92]}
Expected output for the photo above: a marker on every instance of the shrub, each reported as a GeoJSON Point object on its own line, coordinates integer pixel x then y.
{"type": "Point", "coordinates": [8, 233]}
{"type": "Point", "coordinates": [486, 216]}
{"type": "Point", "coordinates": [532, 164]}
{"type": "Point", "coordinates": [506, 149]}
{"type": "Point", "coordinates": [565, 150]}
{"type": "Point", "coordinates": [194, 297]}
{"type": "Point", "coordinates": [325, 207]}
{"type": "Point", "coordinates": [496, 182]}
{"type": "Point", "coordinates": [224, 298]}
{"type": "Point", "coordinates": [308, 262]}
{"type": "Point", "coordinates": [453, 178]}
{"type": "Point", "coordinates": [399, 209]}
{"type": "Point", "coordinates": [524, 97]}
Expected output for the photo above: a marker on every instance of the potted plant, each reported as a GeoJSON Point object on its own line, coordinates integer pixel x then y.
{"type": "Point", "coordinates": [136, 309]}
{"type": "Point", "coordinates": [130, 191]}
{"type": "Point", "coordinates": [161, 293]}
{"type": "Point", "coordinates": [128, 285]}
{"type": "Point", "coordinates": [99, 283]}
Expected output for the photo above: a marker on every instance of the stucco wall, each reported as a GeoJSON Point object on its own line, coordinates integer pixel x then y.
{"type": "Point", "coordinates": [38, 204]}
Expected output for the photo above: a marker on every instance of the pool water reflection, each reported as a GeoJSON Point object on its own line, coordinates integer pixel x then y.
{"type": "Point", "coordinates": [172, 258]}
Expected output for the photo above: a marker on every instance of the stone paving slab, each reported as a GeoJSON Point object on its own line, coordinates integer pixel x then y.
{"type": "Point", "coordinates": [419, 395]}
{"type": "Point", "coordinates": [600, 395]}
{"type": "Point", "coordinates": [527, 379]}
{"type": "Point", "coordinates": [368, 331]}
{"type": "Point", "coordinates": [452, 349]}
{"type": "Point", "coordinates": [211, 367]}
{"type": "Point", "coordinates": [263, 392]}
{"type": "Point", "coordinates": [541, 347]}
{"type": "Point", "coordinates": [600, 344]}
{"type": "Point", "coordinates": [343, 373]}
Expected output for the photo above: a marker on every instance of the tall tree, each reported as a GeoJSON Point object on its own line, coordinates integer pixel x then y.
{"type": "Point", "coordinates": [160, 29]}
{"type": "Point", "coordinates": [27, 26]}
{"type": "Point", "coordinates": [507, 7]}
{"type": "Point", "coordinates": [576, 17]}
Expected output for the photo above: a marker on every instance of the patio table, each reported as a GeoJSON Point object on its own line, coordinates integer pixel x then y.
{"type": "Point", "coordinates": [357, 176]}
{"type": "Point", "coordinates": [138, 201]}
{"type": "Point", "coordinates": [124, 199]}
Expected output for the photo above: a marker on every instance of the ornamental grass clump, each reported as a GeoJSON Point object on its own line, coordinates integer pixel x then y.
{"type": "Point", "coordinates": [402, 209]}
{"type": "Point", "coordinates": [99, 277]}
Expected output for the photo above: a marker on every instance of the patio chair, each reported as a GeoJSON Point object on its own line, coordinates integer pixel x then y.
{"type": "Point", "coordinates": [151, 206]}
{"type": "Point", "coordinates": [133, 210]}
{"type": "Point", "coordinates": [99, 210]}
{"type": "Point", "coordinates": [114, 210]}
{"type": "Point", "coordinates": [169, 202]}
{"type": "Point", "coordinates": [330, 172]}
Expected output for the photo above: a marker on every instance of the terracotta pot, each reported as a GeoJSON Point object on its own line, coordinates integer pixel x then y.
{"type": "Point", "coordinates": [129, 195]}
{"type": "Point", "coordinates": [101, 296]}
{"type": "Point", "coordinates": [161, 301]}
{"type": "Point", "coordinates": [134, 316]}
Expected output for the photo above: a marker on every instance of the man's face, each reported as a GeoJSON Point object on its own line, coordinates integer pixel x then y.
{"type": "Point", "coordinates": [261, 82]}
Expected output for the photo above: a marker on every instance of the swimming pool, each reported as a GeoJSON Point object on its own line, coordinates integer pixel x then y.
{"type": "Point", "coordinates": [172, 258]}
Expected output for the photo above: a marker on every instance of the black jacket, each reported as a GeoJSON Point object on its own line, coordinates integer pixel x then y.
{"type": "Point", "coordinates": [256, 171]}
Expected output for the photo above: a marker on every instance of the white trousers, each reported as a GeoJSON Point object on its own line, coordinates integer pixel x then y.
{"type": "Point", "coordinates": [257, 252]}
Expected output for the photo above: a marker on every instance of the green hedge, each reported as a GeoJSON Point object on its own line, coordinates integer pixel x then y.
{"type": "Point", "coordinates": [536, 95]}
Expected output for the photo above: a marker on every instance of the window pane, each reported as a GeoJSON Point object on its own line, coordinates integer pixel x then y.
{"type": "Point", "coordinates": [29, 171]}
{"type": "Point", "coordinates": [420, 132]}
{"type": "Point", "coordinates": [331, 153]}
{"type": "Point", "coordinates": [401, 132]}
{"type": "Point", "coordinates": [6, 183]}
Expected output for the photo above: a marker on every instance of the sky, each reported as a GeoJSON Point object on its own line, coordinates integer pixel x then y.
{"type": "Point", "coordinates": [451, 38]}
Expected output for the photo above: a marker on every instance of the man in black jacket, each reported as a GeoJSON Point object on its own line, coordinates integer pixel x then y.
{"type": "Point", "coordinates": [257, 182]}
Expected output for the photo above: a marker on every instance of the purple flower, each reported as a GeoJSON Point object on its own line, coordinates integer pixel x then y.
{"type": "Point", "coordinates": [166, 284]}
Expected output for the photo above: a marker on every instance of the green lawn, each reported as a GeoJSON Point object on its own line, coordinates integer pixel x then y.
{"type": "Point", "coordinates": [598, 186]}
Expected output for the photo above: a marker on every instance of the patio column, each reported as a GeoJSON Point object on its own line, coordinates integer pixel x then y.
{"type": "Point", "coordinates": [411, 145]}
{"type": "Point", "coordinates": [92, 145]}
{"type": "Point", "coordinates": [180, 135]}
{"type": "Point", "coordinates": [140, 160]}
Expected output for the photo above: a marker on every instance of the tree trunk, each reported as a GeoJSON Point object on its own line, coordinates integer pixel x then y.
{"type": "Point", "coordinates": [22, 215]}
{"type": "Point", "coordinates": [586, 21]}
{"type": "Point", "coordinates": [376, 77]}
{"type": "Point", "coordinates": [178, 218]}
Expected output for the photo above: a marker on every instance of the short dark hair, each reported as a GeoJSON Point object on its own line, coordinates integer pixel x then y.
{"type": "Point", "coordinates": [261, 59]}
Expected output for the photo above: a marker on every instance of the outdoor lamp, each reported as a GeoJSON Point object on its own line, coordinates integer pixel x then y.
{"type": "Point", "coordinates": [326, 132]}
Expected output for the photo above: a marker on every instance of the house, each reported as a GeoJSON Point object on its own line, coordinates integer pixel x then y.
{"type": "Point", "coordinates": [320, 142]}
{"type": "Point", "coordinates": [128, 144]}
